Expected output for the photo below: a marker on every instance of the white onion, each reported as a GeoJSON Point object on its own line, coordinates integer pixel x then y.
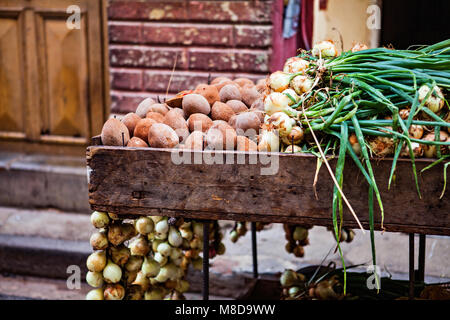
{"type": "Point", "coordinates": [96, 294]}
{"type": "Point", "coordinates": [144, 225]}
{"type": "Point", "coordinates": [112, 272]}
{"type": "Point", "coordinates": [197, 228]}
{"type": "Point", "coordinates": [156, 219]}
{"type": "Point", "coordinates": [99, 219]}
{"type": "Point", "coordinates": [293, 94]}
{"type": "Point", "coordinates": [165, 249]}
{"type": "Point", "coordinates": [150, 267]}
{"type": "Point", "coordinates": [295, 65]}
{"type": "Point", "coordinates": [292, 149]}
{"type": "Point", "coordinates": [162, 226]}
{"type": "Point", "coordinates": [94, 279]}
{"type": "Point", "coordinates": [141, 280]}
{"type": "Point", "coordinates": [359, 47]}
{"type": "Point", "coordinates": [186, 233]}
{"type": "Point", "coordinates": [282, 122]}
{"type": "Point", "coordinates": [162, 260]}
{"type": "Point", "coordinates": [279, 81]}
{"type": "Point", "coordinates": [294, 137]}
{"type": "Point", "coordinates": [174, 237]}
{"type": "Point", "coordinates": [176, 253]}
{"type": "Point", "coordinates": [268, 141]}
{"type": "Point", "coordinates": [276, 102]}
{"type": "Point", "coordinates": [325, 50]}
{"type": "Point", "coordinates": [301, 84]}
{"type": "Point", "coordinates": [435, 101]}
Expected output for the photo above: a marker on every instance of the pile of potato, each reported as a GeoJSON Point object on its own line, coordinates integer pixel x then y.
{"type": "Point", "coordinates": [145, 258]}
{"type": "Point", "coordinates": [223, 115]}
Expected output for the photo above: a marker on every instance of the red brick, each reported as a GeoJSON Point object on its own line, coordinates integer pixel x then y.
{"type": "Point", "coordinates": [187, 34]}
{"type": "Point", "coordinates": [157, 81]}
{"type": "Point", "coordinates": [125, 79]}
{"type": "Point", "coordinates": [124, 32]}
{"type": "Point", "coordinates": [124, 102]}
{"type": "Point", "coordinates": [252, 36]}
{"type": "Point", "coordinates": [147, 10]}
{"type": "Point", "coordinates": [236, 11]}
{"type": "Point", "coordinates": [152, 57]}
{"type": "Point", "coordinates": [229, 60]}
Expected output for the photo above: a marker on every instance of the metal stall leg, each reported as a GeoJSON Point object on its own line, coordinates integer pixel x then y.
{"type": "Point", "coordinates": [420, 276]}
{"type": "Point", "coordinates": [206, 260]}
{"type": "Point", "coordinates": [254, 251]}
{"type": "Point", "coordinates": [411, 266]}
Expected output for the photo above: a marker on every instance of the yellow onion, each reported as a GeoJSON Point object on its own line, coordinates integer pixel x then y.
{"type": "Point", "coordinates": [301, 84]}
{"type": "Point", "coordinates": [292, 149]}
{"type": "Point", "coordinates": [162, 260]}
{"type": "Point", "coordinates": [139, 247]}
{"type": "Point", "coordinates": [112, 272]}
{"type": "Point", "coordinates": [282, 122]}
{"type": "Point", "coordinates": [120, 255]}
{"type": "Point", "coordinates": [276, 102]}
{"type": "Point", "coordinates": [295, 65]}
{"type": "Point", "coordinates": [300, 233]}
{"type": "Point", "coordinates": [430, 151]}
{"type": "Point", "coordinates": [359, 47]}
{"type": "Point", "coordinates": [196, 243]}
{"type": "Point", "coordinates": [99, 219]}
{"type": "Point", "coordinates": [96, 294]}
{"type": "Point", "coordinates": [325, 50]}
{"type": "Point", "coordinates": [197, 228]}
{"type": "Point", "coordinates": [288, 278]}
{"type": "Point", "coordinates": [120, 232]}
{"type": "Point", "coordinates": [142, 281]}
{"type": "Point", "coordinates": [165, 249]}
{"type": "Point", "coordinates": [144, 225]}
{"type": "Point", "coordinates": [129, 276]}
{"type": "Point", "coordinates": [417, 150]}
{"type": "Point", "coordinates": [96, 261]}
{"type": "Point", "coordinates": [435, 101]}
{"type": "Point", "coordinates": [294, 137]}
{"type": "Point", "coordinates": [166, 273]}
{"type": "Point", "coordinates": [197, 263]}
{"type": "Point", "coordinates": [156, 219]}
{"type": "Point", "coordinates": [293, 94]}
{"type": "Point", "coordinates": [182, 286]}
{"type": "Point", "coordinates": [134, 263]}
{"type": "Point", "coordinates": [99, 240]}
{"type": "Point", "coordinates": [416, 131]}
{"type": "Point", "coordinates": [94, 279]}
{"type": "Point", "coordinates": [176, 253]}
{"type": "Point", "coordinates": [268, 141]}
{"type": "Point", "coordinates": [174, 237]}
{"type": "Point", "coordinates": [134, 293]}
{"type": "Point", "coordinates": [404, 113]}
{"type": "Point", "coordinates": [114, 292]}
{"type": "Point", "coordinates": [355, 144]}
{"type": "Point", "coordinates": [186, 233]}
{"type": "Point", "coordinates": [155, 293]}
{"type": "Point", "coordinates": [382, 146]}
{"type": "Point", "coordinates": [234, 236]}
{"type": "Point", "coordinates": [279, 81]}
{"type": "Point", "coordinates": [113, 216]}
{"type": "Point", "coordinates": [150, 267]}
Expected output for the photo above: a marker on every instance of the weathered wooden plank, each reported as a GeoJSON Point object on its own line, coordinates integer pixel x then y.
{"type": "Point", "coordinates": [147, 181]}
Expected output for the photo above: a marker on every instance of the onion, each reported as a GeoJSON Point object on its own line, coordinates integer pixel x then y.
{"type": "Point", "coordinates": [120, 255]}
{"type": "Point", "coordinates": [288, 278]}
{"type": "Point", "coordinates": [99, 219]}
{"type": "Point", "coordinates": [276, 102]}
{"type": "Point", "coordinates": [298, 251]}
{"type": "Point", "coordinates": [416, 131]}
{"type": "Point", "coordinates": [96, 294]}
{"type": "Point", "coordinates": [99, 241]}
{"type": "Point", "coordinates": [162, 260]}
{"type": "Point", "coordinates": [268, 141]}
{"type": "Point", "coordinates": [134, 263]}
{"type": "Point", "coordinates": [112, 272]}
{"type": "Point", "coordinates": [197, 264]}
{"type": "Point", "coordinates": [301, 84]}
{"type": "Point", "coordinates": [354, 143]}
{"type": "Point", "coordinates": [182, 286]}
{"type": "Point", "coordinates": [155, 244]}
{"type": "Point", "coordinates": [324, 291]}
{"type": "Point", "coordinates": [294, 137]}
{"type": "Point", "coordinates": [165, 249]}
{"type": "Point", "coordinates": [120, 232]}
{"type": "Point", "coordinates": [221, 249]}
{"type": "Point", "coordinates": [96, 261]}
{"type": "Point", "coordinates": [174, 237]}
{"type": "Point", "coordinates": [162, 226]}
{"type": "Point", "coordinates": [134, 293]}
{"type": "Point", "coordinates": [197, 228]}
{"type": "Point", "coordinates": [282, 122]}
{"type": "Point", "coordinates": [404, 113]}
{"type": "Point", "coordinates": [430, 151]}
{"type": "Point", "coordinates": [325, 50]}
{"type": "Point", "coordinates": [176, 253]}
{"type": "Point", "coordinates": [195, 243]}
{"type": "Point", "coordinates": [94, 279]}
{"type": "Point", "coordinates": [156, 219]}
{"type": "Point", "coordinates": [156, 293]}
{"type": "Point", "coordinates": [114, 292]}
{"type": "Point", "coordinates": [161, 236]}
{"type": "Point", "coordinates": [234, 236]}
{"type": "Point", "coordinates": [186, 225]}
{"type": "Point", "coordinates": [186, 233]}
{"type": "Point", "coordinates": [293, 94]}
{"type": "Point", "coordinates": [300, 233]}
{"type": "Point", "coordinates": [279, 81]}
{"type": "Point", "coordinates": [359, 47]}
{"type": "Point", "coordinates": [435, 101]}
{"type": "Point", "coordinates": [142, 281]}
{"type": "Point", "coordinates": [295, 65]}
{"type": "Point", "coordinates": [144, 225]}
{"type": "Point", "coordinates": [293, 291]}
{"type": "Point", "coordinates": [129, 276]}
{"type": "Point", "coordinates": [150, 267]}
{"type": "Point", "coordinates": [382, 146]}
{"type": "Point", "coordinates": [139, 247]}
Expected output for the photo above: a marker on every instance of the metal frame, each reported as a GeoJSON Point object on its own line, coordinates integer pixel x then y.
{"type": "Point", "coordinates": [419, 274]}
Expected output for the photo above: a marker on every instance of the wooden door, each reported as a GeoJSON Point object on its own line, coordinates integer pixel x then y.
{"type": "Point", "coordinates": [54, 92]}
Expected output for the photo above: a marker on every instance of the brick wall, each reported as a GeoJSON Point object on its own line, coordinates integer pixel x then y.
{"type": "Point", "coordinates": [230, 38]}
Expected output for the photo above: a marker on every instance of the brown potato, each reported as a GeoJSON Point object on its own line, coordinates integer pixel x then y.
{"type": "Point", "coordinates": [161, 135]}
{"type": "Point", "coordinates": [144, 107]}
{"type": "Point", "coordinates": [221, 136]}
{"type": "Point", "coordinates": [229, 92]}
{"type": "Point", "coordinates": [210, 93]}
{"type": "Point", "coordinates": [250, 95]}
{"type": "Point", "coordinates": [158, 117]}
{"type": "Point", "coordinates": [195, 141]}
{"type": "Point", "coordinates": [243, 82]}
{"type": "Point", "coordinates": [161, 108]}
{"type": "Point", "coordinates": [142, 128]}
{"type": "Point", "coordinates": [222, 84]}
{"type": "Point", "coordinates": [174, 119]}
{"type": "Point", "coordinates": [130, 120]}
{"type": "Point", "coordinates": [180, 111]}
{"type": "Point", "coordinates": [259, 113]}
{"type": "Point", "coordinates": [199, 122]}
{"type": "Point", "coordinates": [136, 142]}
{"type": "Point", "coordinates": [246, 121]}
{"type": "Point", "coordinates": [220, 79]}
{"type": "Point", "coordinates": [258, 104]}
{"type": "Point", "coordinates": [112, 132]}
{"type": "Point", "coordinates": [245, 144]}
{"type": "Point", "coordinates": [237, 106]}
{"type": "Point", "coordinates": [221, 111]}
{"type": "Point", "coordinates": [195, 103]}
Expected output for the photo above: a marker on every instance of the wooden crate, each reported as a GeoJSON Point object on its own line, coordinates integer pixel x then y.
{"type": "Point", "coordinates": [131, 181]}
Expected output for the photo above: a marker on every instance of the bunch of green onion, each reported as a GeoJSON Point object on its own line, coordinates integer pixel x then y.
{"type": "Point", "coordinates": [364, 103]}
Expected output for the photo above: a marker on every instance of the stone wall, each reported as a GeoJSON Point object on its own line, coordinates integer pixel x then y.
{"type": "Point", "coordinates": [230, 38]}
